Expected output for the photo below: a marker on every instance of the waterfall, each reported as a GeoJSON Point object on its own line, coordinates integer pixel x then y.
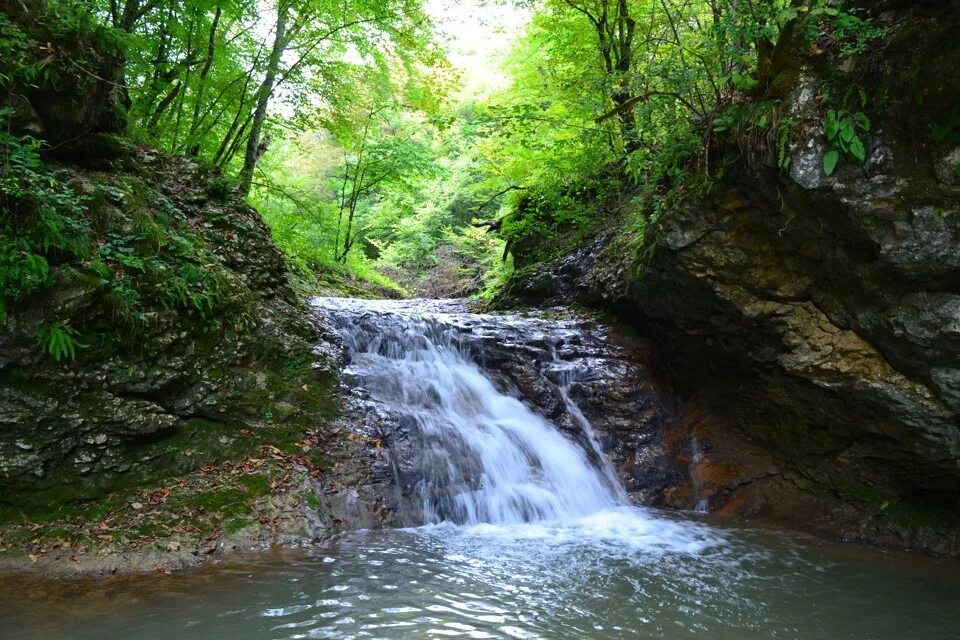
{"type": "Point", "coordinates": [480, 455]}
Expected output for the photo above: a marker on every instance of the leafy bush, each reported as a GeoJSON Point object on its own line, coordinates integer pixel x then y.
{"type": "Point", "coordinates": [843, 130]}
{"type": "Point", "coordinates": [828, 27]}
{"type": "Point", "coordinates": [161, 266]}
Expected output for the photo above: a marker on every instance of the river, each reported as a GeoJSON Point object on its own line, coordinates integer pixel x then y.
{"type": "Point", "coordinates": [523, 530]}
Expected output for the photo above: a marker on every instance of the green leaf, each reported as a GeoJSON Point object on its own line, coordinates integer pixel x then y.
{"type": "Point", "coordinates": [830, 159]}
{"type": "Point", "coordinates": [858, 150]}
{"type": "Point", "coordinates": [847, 133]}
{"type": "Point", "coordinates": [831, 129]}
{"type": "Point", "coordinates": [862, 121]}
{"type": "Point", "coordinates": [787, 15]}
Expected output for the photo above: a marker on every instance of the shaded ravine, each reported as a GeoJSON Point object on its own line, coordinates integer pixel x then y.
{"type": "Point", "coordinates": [524, 527]}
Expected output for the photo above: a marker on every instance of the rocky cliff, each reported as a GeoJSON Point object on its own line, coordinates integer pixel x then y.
{"type": "Point", "coordinates": [809, 322]}
{"type": "Point", "coordinates": [163, 389]}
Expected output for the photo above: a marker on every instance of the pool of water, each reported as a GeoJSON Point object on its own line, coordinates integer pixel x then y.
{"type": "Point", "coordinates": [621, 573]}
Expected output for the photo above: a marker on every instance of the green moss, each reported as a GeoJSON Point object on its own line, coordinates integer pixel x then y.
{"type": "Point", "coordinates": [234, 525]}
{"type": "Point", "coordinates": [256, 485]}
{"type": "Point", "coordinates": [10, 554]}
{"type": "Point", "coordinates": [149, 529]}
{"type": "Point", "coordinates": [311, 499]}
{"type": "Point", "coordinates": [226, 503]}
{"type": "Point", "coordinates": [15, 378]}
{"type": "Point", "coordinates": [918, 518]}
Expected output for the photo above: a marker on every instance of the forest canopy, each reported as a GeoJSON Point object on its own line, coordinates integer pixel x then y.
{"type": "Point", "coordinates": [371, 153]}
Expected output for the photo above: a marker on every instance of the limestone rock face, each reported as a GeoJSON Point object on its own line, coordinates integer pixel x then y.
{"type": "Point", "coordinates": [809, 322]}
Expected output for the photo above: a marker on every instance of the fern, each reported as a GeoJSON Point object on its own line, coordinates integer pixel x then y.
{"type": "Point", "coordinates": [783, 142]}
{"type": "Point", "coordinates": [58, 340]}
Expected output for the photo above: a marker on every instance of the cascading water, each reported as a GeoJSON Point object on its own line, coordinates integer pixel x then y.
{"type": "Point", "coordinates": [552, 550]}
{"type": "Point", "coordinates": [565, 376]}
{"type": "Point", "coordinates": [482, 455]}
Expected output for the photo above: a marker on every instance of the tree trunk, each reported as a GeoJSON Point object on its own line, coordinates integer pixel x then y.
{"type": "Point", "coordinates": [228, 139]}
{"type": "Point", "coordinates": [170, 97]}
{"type": "Point", "coordinates": [254, 148]}
{"type": "Point", "coordinates": [192, 148]}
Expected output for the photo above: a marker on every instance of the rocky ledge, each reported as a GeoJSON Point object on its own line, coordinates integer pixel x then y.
{"type": "Point", "coordinates": [810, 324]}
{"type": "Point", "coordinates": [196, 411]}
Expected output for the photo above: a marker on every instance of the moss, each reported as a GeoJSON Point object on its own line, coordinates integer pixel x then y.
{"type": "Point", "coordinates": [918, 518]}
{"type": "Point", "coordinates": [188, 447]}
{"type": "Point", "coordinates": [15, 378]}
{"type": "Point", "coordinates": [234, 525]}
{"type": "Point", "coordinates": [10, 554]}
{"type": "Point", "coordinates": [256, 485]}
{"type": "Point", "coordinates": [311, 499]}
{"type": "Point", "coordinates": [225, 502]}
{"type": "Point", "coordinates": [319, 459]}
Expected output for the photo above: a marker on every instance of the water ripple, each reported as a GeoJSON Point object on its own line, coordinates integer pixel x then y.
{"type": "Point", "coordinates": [460, 582]}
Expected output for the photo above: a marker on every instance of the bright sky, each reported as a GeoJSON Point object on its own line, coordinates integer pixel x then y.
{"type": "Point", "coordinates": [478, 34]}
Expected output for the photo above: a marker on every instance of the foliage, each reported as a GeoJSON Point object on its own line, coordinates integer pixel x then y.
{"type": "Point", "coordinates": [760, 129]}
{"type": "Point", "coordinates": [156, 264]}
{"type": "Point", "coordinates": [583, 131]}
{"type": "Point", "coordinates": [829, 27]}
{"type": "Point", "coordinates": [949, 131]}
{"type": "Point", "coordinates": [203, 74]}
{"type": "Point", "coordinates": [344, 123]}
{"type": "Point", "coordinates": [41, 218]}
{"type": "Point", "coordinates": [59, 341]}
{"type": "Point", "coordinates": [843, 130]}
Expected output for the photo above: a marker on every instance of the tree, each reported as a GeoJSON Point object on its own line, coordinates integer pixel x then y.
{"type": "Point", "coordinates": [204, 77]}
{"type": "Point", "coordinates": [256, 145]}
{"type": "Point", "coordinates": [615, 29]}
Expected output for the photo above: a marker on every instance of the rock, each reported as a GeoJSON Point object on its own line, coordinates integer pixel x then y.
{"type": "Point", "coordinates": [23, 118]}
{"type": "Point", "coordinates": [809, 324]}
{"type": "Point", "coordinates": [79, 426]}
{"type": "Point", "coordinates": [536, 357]}
{"type": "Point", "coordinates": [947, 168]}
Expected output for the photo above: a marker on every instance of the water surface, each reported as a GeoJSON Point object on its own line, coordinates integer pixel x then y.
{"type": "Point", "coordinates": [529, 535]}
{"type": "Point", "coordinates": [621, 573]}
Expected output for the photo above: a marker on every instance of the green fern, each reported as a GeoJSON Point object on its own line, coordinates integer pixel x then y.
{"type": "Point", "coordinates": [58, 340]}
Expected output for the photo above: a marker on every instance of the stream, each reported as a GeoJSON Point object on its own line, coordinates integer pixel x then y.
{"type": "Point", "coordinates": [517, 526]}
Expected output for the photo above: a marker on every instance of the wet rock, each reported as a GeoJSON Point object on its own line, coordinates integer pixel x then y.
{"type": "Point", "coordinates": [564, 366]}
{"type": "Point", "coordinates": [947, 168]}
{"type": "Point", "coordinates": [809, 323]}
{"type": "Point", "coordinates": [23, 118]}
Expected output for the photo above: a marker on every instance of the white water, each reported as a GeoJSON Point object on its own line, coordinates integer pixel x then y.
{"type": "Point", "coordinates": [549, 553]}
{"type": "Point", "coordinates": [487, 457]}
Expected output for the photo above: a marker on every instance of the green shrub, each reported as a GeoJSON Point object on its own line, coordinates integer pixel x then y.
{"type": "Point", "coordinates": [843, 130]}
